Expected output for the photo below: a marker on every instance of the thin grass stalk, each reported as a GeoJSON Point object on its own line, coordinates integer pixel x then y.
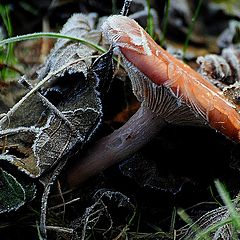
{"type": "Point", "coordinates": [165, 22]}
{"type": "Point", "coordinates": [228, 202]}
{"type": "Point", "coordinates": [50, 35]}
{"type": "Point", "coordinates": [191, 27]}
{"type": "Point", "coordinates": [150, 25]}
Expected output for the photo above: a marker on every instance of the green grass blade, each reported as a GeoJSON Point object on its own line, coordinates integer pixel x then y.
{"type": "Point", "coordinates": [173, 219]}
{"type": "Point", "coordinates": [228, 202]}
{"type": "Point", "coordinates": [50, 35]}
{"type": "Point", "coordinates": [191, 27]}
{"type": "Point", "coordinates": [8, 57]}
{"type": "Point", "coordinates": [165, 22]}
{"type": "Point", "coordinates": [150, 24]}
{"type": "Point", "coordinates": [206, 232]}
{"type": "Point", "coordinates": [195, 228]}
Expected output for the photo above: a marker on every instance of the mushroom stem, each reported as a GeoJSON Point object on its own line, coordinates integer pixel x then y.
{"type": "Point", "coordinates": [128, 139]}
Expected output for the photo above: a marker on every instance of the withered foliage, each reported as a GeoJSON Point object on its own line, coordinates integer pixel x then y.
{"type": "Point", "coordinates": [61, 110]}
{"type": "Point", "coordinates": [50, 130]}
{"type": "Point", "coordinates": [103, 210]}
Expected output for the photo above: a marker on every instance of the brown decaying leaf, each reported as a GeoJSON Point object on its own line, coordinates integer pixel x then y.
{"type": "Point", "coordinates": [35, 133]}
{"type": "Point", "coordinates": [48, 132]}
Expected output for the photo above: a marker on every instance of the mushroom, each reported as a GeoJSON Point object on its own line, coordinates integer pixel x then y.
{"type": "Point", "coordinates": [169, 92]}
{"type": "Point", "coordinates": [202, 97]}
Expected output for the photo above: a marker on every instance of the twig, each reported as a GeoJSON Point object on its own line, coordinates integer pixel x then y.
{"type": "Point", "coordinates": [32, 91]}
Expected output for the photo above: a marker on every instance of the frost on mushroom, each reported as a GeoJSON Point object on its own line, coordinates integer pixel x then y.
{"type": "Point", "coordinates": [118, 30]}
{"type": "Point", "coordinates": [161, 99]}
{"type": "Point", "coordinates": [186, 85]}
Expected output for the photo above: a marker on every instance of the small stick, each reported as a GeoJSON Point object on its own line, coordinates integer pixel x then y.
{"type": "Point", "coordinates": [7, 116]}
{"type": "Point", "coordinates": [126, 7]}
{"type": "Point", "coordinates": [57, 112]}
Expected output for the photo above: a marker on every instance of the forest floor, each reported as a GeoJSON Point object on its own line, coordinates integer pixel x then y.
{"type": "Point", "coordinates": [181, 184]}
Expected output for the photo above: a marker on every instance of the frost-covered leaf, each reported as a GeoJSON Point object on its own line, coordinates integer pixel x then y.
{"type": "Point", "coordinates": [72, 56]}
{"type": "Point", "coordinates": [45, 127]}
{"type": "Point", "coordinates": [101, 212]}
{"type": "Point", "coordinates": [18, 133]}
{"type": "Point", "coordinates": [61, 111]}
{"type": "Point", "coordinates": [30, 191]}
{"type": "Point", "coordinates": [145, 172]}
{"type": "Point", "coordinates": [102, 71]}
{"type": "Point", "coordinates": [12, 194]}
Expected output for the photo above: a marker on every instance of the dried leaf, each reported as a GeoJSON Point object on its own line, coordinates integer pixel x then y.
{"type": "Point", "coordinates": [40, 132]}
{"type": "Point", "coordinates": [36, 140]}
{"type": "Point", "coordinates": [100, 211]}
{"type": "Point", "coordinates": [72, 56]}
{"type": "Point", "coordinates": [145, 172]}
